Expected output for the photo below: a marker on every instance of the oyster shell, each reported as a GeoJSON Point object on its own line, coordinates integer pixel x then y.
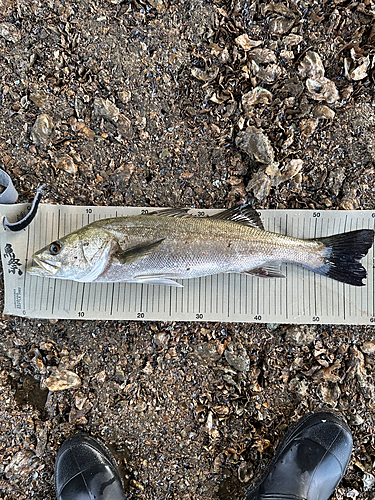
{"type": "Point", "coordinates": [263, 56]}
{"type": "Point", "coordinates": [67, 164]}
{"type": "Point", "coordinates": [308, 126]}
{"type": "Point", "coordinates": [311, 66]}
{"type": "Point", "coordinates": [104, 108]}
{"type": "Point", "coordinates": [262, 181]}
{"type": "Point", "coordinates": [42, 130]}
{"type": "Point", "coordinates": [258, 95]}
{"type": "Point", "coordinates": [318, 86]}
{"type": "Point", "coordinates": [323, 112]}
{"type": "Point", "coordinates": [291, 40]}
{"type": "Point", "coordinates": [10, 33]}
{"type": "Point", "coordinates": [280, 25]}
{"type": "Point", "coordinates": [355, 71]}
{"type": "Point", "coordinates": [288, 55]}
{"type": "Point", "coordinates": [205, 75]}
{"type": "Point", "coordinates": [269, 74]}
{"type": "Point", "coordinates": [246, 43]}
{"type": "Point", "coordinates": [256, 144]}
{"type": "Point", "coordinates": [322, 90]}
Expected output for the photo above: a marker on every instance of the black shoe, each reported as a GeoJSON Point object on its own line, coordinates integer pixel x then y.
{"type": "Point", "coordinates": [86, 470]}
{"type": "Point", "coordinates": [309, 462]}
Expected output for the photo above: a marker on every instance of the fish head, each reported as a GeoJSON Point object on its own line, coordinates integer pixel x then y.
{"type": "Point", "coordinates": [79, 256]}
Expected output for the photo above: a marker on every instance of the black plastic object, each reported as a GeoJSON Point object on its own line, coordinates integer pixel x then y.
{"type": "Point", "coordinates": [86, 470]}
{"type": "Point", "coordinates": [23, 223]}
{"type": "Point", "coordinates": [309, 462]}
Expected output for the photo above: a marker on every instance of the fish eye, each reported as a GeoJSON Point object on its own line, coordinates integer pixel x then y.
{"type": "Point", "coordinates": [55, 247]}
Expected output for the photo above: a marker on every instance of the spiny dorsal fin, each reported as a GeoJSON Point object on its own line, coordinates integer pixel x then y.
{"type": "Point", "coordinates": [171, 212]}
{"type": "Point", "coordinates": [267, 270]}
{"type": "Point", "coordinates": [243, 214]}
{"type": "Point", "coordinates": [138, 252]}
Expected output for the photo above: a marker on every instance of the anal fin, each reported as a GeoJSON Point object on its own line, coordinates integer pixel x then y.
{"type": "Point", "coordinates": [267, 270]}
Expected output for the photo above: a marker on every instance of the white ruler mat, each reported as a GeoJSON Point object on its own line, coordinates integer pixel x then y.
{"type": "Point", "coordinates": [303, 297]}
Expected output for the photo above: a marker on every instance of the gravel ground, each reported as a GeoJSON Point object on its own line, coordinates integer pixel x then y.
{"type": "Point", "coordinates": [196, 104]}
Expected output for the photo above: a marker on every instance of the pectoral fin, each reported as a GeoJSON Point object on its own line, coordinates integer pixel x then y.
{"type": "Point", "coordinates": [131, 255]}
{"type": "Point", "coordinates": [267, 270]}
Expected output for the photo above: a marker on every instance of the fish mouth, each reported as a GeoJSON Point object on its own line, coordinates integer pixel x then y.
{"type": "Point", "coordinates": [44, 267]}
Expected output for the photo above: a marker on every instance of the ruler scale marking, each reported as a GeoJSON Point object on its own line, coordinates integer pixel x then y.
{"type": "Point", "coordinates": [112, 295]}
{"type": "Point", "coordinates": [55, 282]}
{"type": "Point", "coordinates": [373, 275]}
{"type": "Point", "coordinates": [170, 302]}
{"type": "Point", "coordinates": [24, 274]}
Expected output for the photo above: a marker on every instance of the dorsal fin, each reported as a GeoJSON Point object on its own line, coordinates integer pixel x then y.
{"type": "Point", "coordinates": [171, 212]}
{"type": "Point", "coordinates": [243, 214]}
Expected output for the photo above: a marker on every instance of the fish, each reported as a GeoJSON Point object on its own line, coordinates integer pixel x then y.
{"type": "Point", "coordinates": [168, 245]}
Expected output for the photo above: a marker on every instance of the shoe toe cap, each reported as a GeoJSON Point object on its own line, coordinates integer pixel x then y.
{"type": "Point", "coordinates": [331, 434]}
{"type": "Point", "coordinates": [97, 483]}
{"type": "Point", "coordinates": [85, 470]}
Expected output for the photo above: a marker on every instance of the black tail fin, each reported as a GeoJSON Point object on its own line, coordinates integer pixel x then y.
{"type": "Point", "coordinates": [344, 251]}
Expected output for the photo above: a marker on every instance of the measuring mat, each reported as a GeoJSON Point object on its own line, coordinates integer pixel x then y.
{"type": "Point", "coordinates": [302, 297]}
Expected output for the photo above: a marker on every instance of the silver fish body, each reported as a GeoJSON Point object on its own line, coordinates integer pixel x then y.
{"type": "Point", "coordinates": [162, 247]}
{"type": "Point", "coordinates": [195, 247]}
